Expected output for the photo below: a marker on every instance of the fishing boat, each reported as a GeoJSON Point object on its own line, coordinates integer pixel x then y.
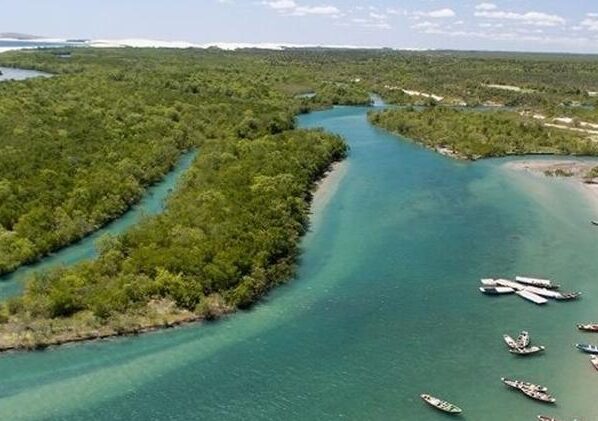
{"type": "Point", "coordinates": [590, 327]}
{"type": "Point", "coordinates": [544, 292]}
{"type": "Point", "coordinates": [568, 296]}
{"type": "Point", "coordinates": [518, 384]}
{"type": "Point", "coordinates": [511, 284]}
{"type": "Point", "coordinates": [511, 343]}
{"type": "Point", "coordinates": [489, 282]}
{"type": "Point", "coordinates": [530, 296]}
{"type": "Point", "coordinates": [590, 349]}
{"type": "Point", "coordinates": [536, 282]}
{"type": "Point", "coordinates": [523, 340]}
{"type": "Point", "coordinates": [594, 361]}
{"type": "Point", "coordinates": [496, 290]}
{"type": "Point", "coordinates": [527, 351]}
{"type": "Point", "coordinates": [537, 395]}
{"type": "Point", "coordinates": [546, 418]}
{"type": "Point", "coordinates": [441, 405]}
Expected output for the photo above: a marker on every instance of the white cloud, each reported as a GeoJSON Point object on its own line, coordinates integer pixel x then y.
{"type": "Point", "coordinates": [440, 13]}
{"type": "Point", "coordinates": [590, 24]}
{"type": "Point", "coordinates": [486, 6]}
{"type": "Point", "coordinates": [425, 25]}
{"type": "Point", "coordinates": [378, 16]}
{"type": "Point", "coordinates": [528, 18]}
{"type": "Point", "coordinates": [592, 15]}
{"type": "Point", "coordinates": [290, 7]}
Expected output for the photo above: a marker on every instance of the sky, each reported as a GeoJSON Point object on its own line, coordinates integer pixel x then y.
{"type": "Point", "coordinates": [516, 25]}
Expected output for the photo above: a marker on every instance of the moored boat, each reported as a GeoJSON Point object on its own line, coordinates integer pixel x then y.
{"type": "Point", "coordinates": [523, 340]}
{"type": "Point", "coordinates": [511, 343]}
{"type": "Point", "coordinates": [527, 351]}
{"type": "Point", "coordinates": [546, 418]}
{"type": "Point", "coordinates": [518, 384]}
{"type": "Point", "coordinates": [536, 282]}
{"type": "Point", "coordinates": [594, 361]}
{"type": "Point", "coordinates": [530, 296]}
{"type": "Point", "coordinates": [489, 282]}
{"type": "Point", "coordinates": [537, 395]}
{"type": "Point", "coordinates": [496, 290]}
{"type": "Point", "coordinates": [567, 296]}
{"type": "Point", "coordinates": [594, 222]}
{"type": "Point", "coordinates": [590, 349]}
{"type": "Point", "coordinates": [511, 284]}
{"type": "Point", "coordinates": [544, 292]}
{"type": "Point", "coordinates": [441, 405]}
{"type": "Point", "coordinates": [589, 327]}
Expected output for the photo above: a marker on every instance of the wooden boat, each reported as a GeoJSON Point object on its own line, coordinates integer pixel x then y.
{"type": "Point", "coordinates": [590, 327]}
{"type": "Point", "coordinates": [530, 296]}
{"type": "Point", "coordinates": [511, 343]}
{"type": "Point", "coordinates": [536, 282]}
{"type": "Point", "coordinates": [527, 351]}
{"type": "Point", "coordinates": [546, 418]}
{"type": "Point", "coordinates": [511, 284]}
{"type": "Point", "coordinates": [441, 405]}
{"type": "Point", "coordinates": [537, 395]}
{"type": "Point", "coordinates": [590, 349]}
{"type": "Point", "coordinates": [568, 296]}
{"type": "Point", "coordinates": [496, 290]}
{"type": "Point", "coordinates": [594, 361]}
{"type": "Point", "coordinates": [544, 292]}
{"type": "Point", "coordinates": [523, 340]}
{"type": "Point", "coordinates": [489, 282]}
{"type": "Point", "coordinates": [518, 384]}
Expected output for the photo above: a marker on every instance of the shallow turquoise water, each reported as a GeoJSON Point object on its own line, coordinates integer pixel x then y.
{"type": "Point", "coordinates": [152, 203]}
{"type": "Point", "coordinates": [385, 307]}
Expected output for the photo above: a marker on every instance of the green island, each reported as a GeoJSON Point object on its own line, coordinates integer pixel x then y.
{"type": "Point", "coordinates": [80, 148]}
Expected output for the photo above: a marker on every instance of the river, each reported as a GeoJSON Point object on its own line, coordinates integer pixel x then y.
{"type": "Point", "coordinates": [385, 306]}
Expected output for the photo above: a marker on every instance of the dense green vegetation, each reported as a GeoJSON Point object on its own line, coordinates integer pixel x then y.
{"type": "Point", "coordinates": [78, 149]}
{"type": "Point", "coordinates": [99, 133]}
{"type": "Point", "coordinates": [479, 134]}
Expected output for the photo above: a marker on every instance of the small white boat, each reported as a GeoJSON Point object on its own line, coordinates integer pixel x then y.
{"type": "Point", "coordinates": [590, 349]}
{"type": "Point", "coordinates": [497, 290]}
{"type": "Point", "coordinates": [441, 405]}
{"type": "Point", "coordinates": [518, 384]}
{"type": "Point", "coordinates": [589, 327]}
{"type": "Point", "coordinates": [539, 396]}
{"type": "Point", "coordinates": [511, 343]}
{"type": "Point", "coordinates": [530, 296]}
{"type": "Point", "coordinates": [546, 418]}
{"type": "Point", "coordinates": [527, 351]}
{"type": "Point", "coordinates": [544, 292]}
{"type": "Point", "coordinates": [523, 340]}
{"type": "Point", "coordinates": [489, 282]}
{"type": "Point", "coordinates": [594, 361]}
{"type": "Point", "coordinates": [568, 296]}
{"type": "Point", "coordinates": [511, 284]}
{"type": "Point", "coordinates": [536, 282]}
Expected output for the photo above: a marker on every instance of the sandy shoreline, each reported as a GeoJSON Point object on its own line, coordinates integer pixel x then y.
{"type": "Point", "coordinates": [325, 188]}
{"type": "Point", "coordinates": [572, 171]}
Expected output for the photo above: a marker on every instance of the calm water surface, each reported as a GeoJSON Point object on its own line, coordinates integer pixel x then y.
{"type": "Point", "coordinates": [9, 73]}
{"type": "Point", "coordinates": [385, 307]}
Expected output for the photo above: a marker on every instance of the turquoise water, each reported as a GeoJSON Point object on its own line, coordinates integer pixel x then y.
{"type": "Point", "coordinates": [152, 203]}
{"type": "Point", "coordinates": [385, 307]}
